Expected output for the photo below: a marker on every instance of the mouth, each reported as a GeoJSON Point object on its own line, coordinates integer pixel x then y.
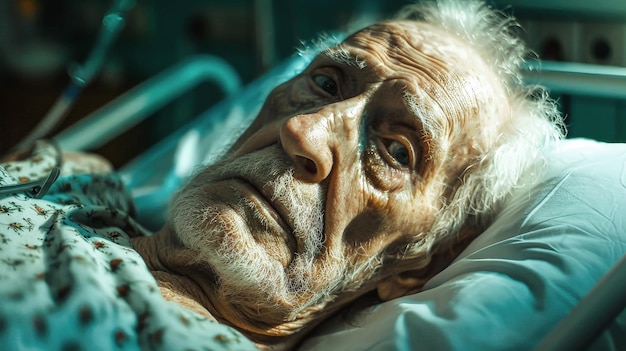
{"type": "Point", "coordinates": [269, 209]}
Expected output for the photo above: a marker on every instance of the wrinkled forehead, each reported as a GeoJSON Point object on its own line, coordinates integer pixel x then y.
{"type": "Point", "coordinates": [397, 49]}
{"type": "Point", "coordinates": [442, 76]}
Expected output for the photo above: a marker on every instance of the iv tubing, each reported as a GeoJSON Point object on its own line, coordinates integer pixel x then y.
{"type": "Point", "coordinates": [112, 24]}
{"type": "Point", "coordinates": [140, 102]}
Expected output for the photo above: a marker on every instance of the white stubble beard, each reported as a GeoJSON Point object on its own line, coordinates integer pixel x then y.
{"type": "Point", "coordinates": [223, 239]}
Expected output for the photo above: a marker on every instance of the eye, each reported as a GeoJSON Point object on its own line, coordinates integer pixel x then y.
{"type": "Point", "coordinates": [399, 152]}
{"type": "Point", "coordinates": [326, 83]}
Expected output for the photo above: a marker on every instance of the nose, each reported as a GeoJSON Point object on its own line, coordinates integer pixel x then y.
{"type": "Point", "coordinates": [306, 139]}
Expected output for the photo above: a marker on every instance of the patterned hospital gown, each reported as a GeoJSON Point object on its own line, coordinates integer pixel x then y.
{"type": "Point", "coordinates": [69, 279]}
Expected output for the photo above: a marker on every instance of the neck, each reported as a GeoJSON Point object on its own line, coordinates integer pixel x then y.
{"type": "Point", "coordinates": [168, 262]}
{"type": "Point", "coordinates": [183, 280]}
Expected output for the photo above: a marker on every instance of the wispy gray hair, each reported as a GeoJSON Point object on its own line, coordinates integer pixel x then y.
{"type": "Point", "coordinates": [533, 123]}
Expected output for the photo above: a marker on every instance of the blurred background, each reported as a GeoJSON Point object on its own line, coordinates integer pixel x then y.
{"type": "Point", "coordinates": [40, 42]}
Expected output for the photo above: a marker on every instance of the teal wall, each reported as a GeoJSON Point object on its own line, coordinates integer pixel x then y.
{"type": "Point", "coordinates": [597, 118]}
{"type": "Point", "coordinates": [570, 30]}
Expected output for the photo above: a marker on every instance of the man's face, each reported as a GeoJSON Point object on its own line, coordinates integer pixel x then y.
{"type": "Point", "coordinates": [342, 166]}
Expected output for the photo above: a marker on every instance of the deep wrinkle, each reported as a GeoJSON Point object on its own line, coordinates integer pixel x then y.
{"type": "Point", "coordinates": [363, 133]}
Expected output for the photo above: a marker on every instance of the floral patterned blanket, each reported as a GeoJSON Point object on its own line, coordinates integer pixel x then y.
{"type": "Point", "coordinates": [69, 278]}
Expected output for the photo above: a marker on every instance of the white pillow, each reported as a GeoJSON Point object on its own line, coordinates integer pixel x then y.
{"type": "Point", "coordinates": [508, 289]}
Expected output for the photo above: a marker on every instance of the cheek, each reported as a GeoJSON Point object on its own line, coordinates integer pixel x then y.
{"type": "Point", "coordinates": [386, 221]}
{"type": "Point", "coordinates": [371, 225]}
{"type": "Point", "coordinates": [363, 229]}
{"type": "Point", "coordinates": [366, 211]}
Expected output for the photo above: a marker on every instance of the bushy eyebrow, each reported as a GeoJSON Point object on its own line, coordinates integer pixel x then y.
{"type": "Point", "coordinates": [341, 55]}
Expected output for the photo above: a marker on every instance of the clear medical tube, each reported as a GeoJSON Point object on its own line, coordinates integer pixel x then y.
{"type": "Point", "coordinates": [36, 189]}
{"type": "Point", "coordinates": [112, 25]}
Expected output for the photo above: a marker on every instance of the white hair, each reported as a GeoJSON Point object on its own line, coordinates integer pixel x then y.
{"type": "Point", "coordinates": [517, 148]}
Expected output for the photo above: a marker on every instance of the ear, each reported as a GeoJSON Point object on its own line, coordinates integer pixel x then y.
{"type": "Point", "coordinates": [404, 283]}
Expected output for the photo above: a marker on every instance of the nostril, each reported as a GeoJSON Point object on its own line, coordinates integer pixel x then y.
{"type": "Point", "coordinates": [308, 165]}
{"type": "Point", "coordinates": [306, 141]}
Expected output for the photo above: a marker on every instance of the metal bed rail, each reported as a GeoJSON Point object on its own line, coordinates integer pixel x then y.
{"type": "Point", "coordinates": [578, 78]}
{"type": "Point", "coordinates": [148, 97]}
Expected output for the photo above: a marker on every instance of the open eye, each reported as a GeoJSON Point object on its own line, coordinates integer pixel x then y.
{"type": "Point", "coordinates": [326, 83]}
{"type": "Point", "coordinates": [399, 152]}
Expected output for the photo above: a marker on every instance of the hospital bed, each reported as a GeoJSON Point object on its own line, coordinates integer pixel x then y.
{"type": "Point", "coordinates": [515, 279]}
{"type": "Point", "coordinates": [548, 274]}
{"type": "Point", "coordinates": [537, 267]}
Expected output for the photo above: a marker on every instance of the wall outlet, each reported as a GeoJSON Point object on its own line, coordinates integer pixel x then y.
{"type": "Point", "coordinates": [553, 40]}
{"type": "Point", "coordinates": [603, 43]}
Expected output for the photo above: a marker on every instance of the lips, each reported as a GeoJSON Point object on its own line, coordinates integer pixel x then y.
{"type": "Point", "coordinates": [268, 208]}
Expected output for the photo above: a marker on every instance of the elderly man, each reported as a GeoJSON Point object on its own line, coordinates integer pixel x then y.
{"type": "Point", "coordinates": [369, 171]}
{"type": "Point", "coordinates": [364, 175]}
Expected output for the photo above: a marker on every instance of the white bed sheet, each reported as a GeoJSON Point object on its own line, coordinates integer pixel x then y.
{"type": "Point", "coordinates": [508, 289]}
